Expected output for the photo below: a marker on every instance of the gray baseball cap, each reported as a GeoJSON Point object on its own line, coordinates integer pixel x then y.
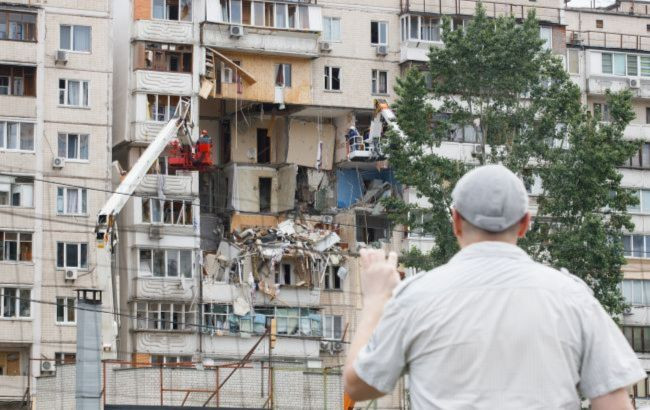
{"type": "Point", "coordinates": [490, 197]}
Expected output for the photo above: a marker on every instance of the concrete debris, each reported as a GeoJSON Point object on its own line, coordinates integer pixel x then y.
{"type": "Point", "coordinates": [241, 307]}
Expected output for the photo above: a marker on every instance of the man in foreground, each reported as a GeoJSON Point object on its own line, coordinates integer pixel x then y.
{"type": "Point", "coordinates": [491, 329]}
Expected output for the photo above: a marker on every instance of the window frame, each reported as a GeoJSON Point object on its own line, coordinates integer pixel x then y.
{"type": "Point", "coordinates": [630, 331]}
{"type": "Point", "coordinates": [84, 93]}
{"type": "Point", "coordinates": [19, 299]}
{"type": "Point", "coordinates": [331, 278]}
{"type": "Point", "coordinates": [329, 330]}
{"type": "Point", "coordinates": [63, 264]}
{"type": "Point", "coordinates": [62, 200]}
{"type": "Point", "coordinates": [166, 17]}
{"type": "Point", "coordinates": [26, 75]}
{"type": "Point", "coordinates": [15, 187]}
{"type": "Point", "coordinates": [26, 27]}
{"type": "Point", "coordinates": [63, 303]}
{"type": "Point", "coordinates": [379, 23]}
{"type": "Point", "coordinates": [180, 272]}
{"type": "Point", "coordinates": [80, 138]}
{"type": "Point", "coordinates": [375, 84]}
{"type": "Point", "coordinates": [156, 56]}
{"type": "Point", "coordinates": [22, 255]}
{"type": "Point", "coordinates": [147, 206]}
{"type": "Point", "coordinates": [329, 77]}
{"type": "Point", "coordinates": [4, 136]}
{"type": "Point", "coordinates": [286, 68]}
{"type": "Point", "coordinates": [153, 318]}
{"type": "Point", "coordinates": [73, 29]}
{"type": "Point", "coordinates": [327, 22]}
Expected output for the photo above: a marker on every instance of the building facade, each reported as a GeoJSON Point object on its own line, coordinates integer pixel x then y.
{"type": "Point", "coordinates": [56, 87]}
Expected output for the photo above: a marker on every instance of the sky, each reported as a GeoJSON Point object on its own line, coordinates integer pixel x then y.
{"type": "Point", "coordinates": [586, 3]}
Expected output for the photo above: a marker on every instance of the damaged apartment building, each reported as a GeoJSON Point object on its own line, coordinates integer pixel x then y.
{"type": "Point", "coordinates": [272, 229]}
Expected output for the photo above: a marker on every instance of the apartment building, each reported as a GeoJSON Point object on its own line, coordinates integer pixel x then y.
{"type": "Point", "coordinates": [55, 133]}
{"type": "Point", "coordinates": [609, 48]}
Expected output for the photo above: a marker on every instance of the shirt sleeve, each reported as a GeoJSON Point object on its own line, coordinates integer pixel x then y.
{"type": "Point", "coordinates": [382, 361]}
{"type": "Point", "coordinates": [608, 361]}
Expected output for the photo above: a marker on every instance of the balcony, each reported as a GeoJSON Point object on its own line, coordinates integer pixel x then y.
{"type": "Point", "coordinates": [161, 342]}
{"type": "Point", "coordinates": [291, 296]}
{"type": "Point", "coordinates": [145, 131]}
{"type": "Point", "coordinates": [604, 39]}
{"type": "Point", "coordinates": [13, 387]}
{"type": "Point", "coordinates": [17, 331]}
{"type": "Point", "coordinates": [599, 84]}
{"type": "Point", "coordinates": [18, 106]}
{"type": "Point", "coordinates": [637, 131]}
{"type": "Point", "coordinates": [185, 185]}
{"type": "Point", "coordinates": [234, 345]}
{"type": "Point", "coordinates": [163, 82]}
{"type": "Point", "coordinates": [163, 30]}
{"type": "Point", "coordinates": [19, 51]}
{"type": "Point", "coordinates": [283, 42]}
{"type": "Point", "coordinates": [173, 289]}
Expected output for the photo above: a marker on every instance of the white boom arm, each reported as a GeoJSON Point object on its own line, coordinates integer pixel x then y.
{"type": "Point", "coordinates": [381, 108]}
{"type": "Point", "coordinates": [106, 229]}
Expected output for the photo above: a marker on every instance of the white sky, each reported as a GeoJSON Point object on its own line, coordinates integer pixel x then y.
{"type": "Point", "coordinates": [587, 3]}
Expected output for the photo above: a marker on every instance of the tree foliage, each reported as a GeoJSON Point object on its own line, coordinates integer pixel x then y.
{"type": "Point", "coordinates": [495, 82]}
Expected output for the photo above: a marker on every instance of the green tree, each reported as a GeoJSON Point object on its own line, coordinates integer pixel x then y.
{"type": "Point", "coordinates": [495, 83]}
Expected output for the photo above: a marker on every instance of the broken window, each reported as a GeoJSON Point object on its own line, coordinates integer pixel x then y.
{"type": "Point", "coordinates": [284, 274]}
{"type": "Point", "coordinates": [332, 281]}
{"type": "Point", "coordinates": [16, 191]}
{"type": "Point", "coordinates": [17, 26]}
{"type": "Point", "coordinates": [283, 75]}
{"type": "Point", "coordinates": [164, 57]}
{"type": "Point", "coordinates": [378, 33]}
{"type": "Point", "coordinates": [172, 10]}
{"type": "Point", "coordinates": [263, 146]}
{"type": "Point", "coordinates": [379, 82]}
{"type": "Point", "coordinates": [161, 108]}
{"type": "Point", "coordinates": [332, 78]}
{"type": "Point", "coordinates": [15, 246]}
{"type": "Point", "coordinates": [164, 316]}
{"type": "Point", "coordinates": [169, 212]}
{"type": "Point", "coordinates": [19, 81]}
{"type": "Point", "coordinates": [371, 228]}
{"type": "Point", "coordinates": [265, 194]}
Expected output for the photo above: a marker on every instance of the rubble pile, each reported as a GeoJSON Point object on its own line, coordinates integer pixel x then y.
{"type": "Point", "coordinates": [291, 254]}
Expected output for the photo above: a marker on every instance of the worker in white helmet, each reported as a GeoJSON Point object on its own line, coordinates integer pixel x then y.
{"type": "Point", "coordinates": [491, 329]}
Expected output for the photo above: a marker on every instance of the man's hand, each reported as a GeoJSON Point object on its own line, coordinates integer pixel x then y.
{"type": "Point", "coordinates": [378, 274]}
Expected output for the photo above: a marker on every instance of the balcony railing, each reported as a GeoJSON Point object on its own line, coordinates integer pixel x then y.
{"type": "Point", "coordinates": [609, 40]}
{"type": "Point", "coordinates": [549, 14]}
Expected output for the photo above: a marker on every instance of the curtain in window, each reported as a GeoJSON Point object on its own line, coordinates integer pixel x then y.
{"type": "Point", "coordinates": [186, 264]}
{"type": "Point", "coordinates": [73, 201]}
{"type": "Point", "coordinates": [12, 135]}
{"type": "Point", "coordinates": [619, 64]}
{"type": "Point", "coordinates": [85, 94]}
{"type": "Point", "coordinates": [73, 92]}
{"type": "Point", "coordinates": [82, 38]}
{"type": "Point", "coordinates": [64, 38]}
{"type": "Point", "coordinates": [27, 136]}
{"type": "Point", "coordinates": [159, 9]}
{"type": "Point", "coordinates": [83, 147]}
{"type": "Point", "coordinates": [303, 12]}
{"type": "Point", "coordinates": [72, 146]}
{"type": "Point", "coordinates": [62, 143]}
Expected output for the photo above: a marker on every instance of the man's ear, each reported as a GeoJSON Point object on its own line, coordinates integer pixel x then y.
{"type": "Point", "coordinates": [524, 224]}
{"type": "Point", "coordinates": [457, 222]}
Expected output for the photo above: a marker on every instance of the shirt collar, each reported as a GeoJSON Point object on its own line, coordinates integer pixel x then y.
{"type": "Point", "coordinates": [490, 249]}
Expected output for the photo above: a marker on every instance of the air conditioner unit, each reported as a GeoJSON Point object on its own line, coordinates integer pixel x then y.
{"type": "Point", "coordinates": [477, 149]}
{"type": "Point", "coordinates": [337, 346]}
{"type": "Point", "coordinates": [325, 346]}
{"type": "Point", "coordinates": [48, 366]}
{"type": "Point", "coordinates": [155, 232]}
{"type": "Point", "coordinates": [634, 83]}
{"type": "Point", "coordinates": [70, 274]}
{"type": "Point", "coordinates": [236, 31]}
{"type": "Point", "coordinates": [382, 50]}
{"type": "Point", "coordinates": [576, 38]}
{"type": "Point", "coordinates": [325, 46]}
{"type": "Point", "coordinates": [58, 162]}
{"type": "Point", "coordinates": [61, 56]}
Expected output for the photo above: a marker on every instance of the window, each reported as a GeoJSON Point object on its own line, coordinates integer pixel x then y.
{"type": "Point", "coordinates": [71, 201]}
{"type": "Point", "coordinates": [263, 146]}
{"type": "Point", "coordinates": [15, 303]}
{"type": "Point", "coordinates": [217, 317]}
{"type": "Point", "coordinates": [573, 61]}
{"type": "Point", "coordinates": [164, 57]}
{"type": "Point", "coordinates": [644, 202]}
{"type": "Point", "coordinates": [641, 159]}
{"type": "Point", "coordinates": [168, 212]}
{"type": "Point", "coordinates": [599, 24]}
{"type": "Point", "coordinates": [378, 33]}
{"type": "Point", "coordinates": [379, 82]}
{"type": "Point", "coordinates": [602, 111]}
{"type": "Point", "coordinates": [546, 34]}
{"type": "Point", "coordinates": [636, 292]}
{"type": "Point", "coordinates": [638, 337]}
{"type": "Point", "coordinates": [265, 14]}
{"type": "Point", "coordinates": [17, 26]}
{"type": "Point", "coordinates": [71, 255]}
{"type": "Point", "coordinates": [636, 246]}
{"type": "Point", "coordinates": [641, 390]}
{"type": "Point", "coordinates": [15, 246]}
{"type": "Point", "coordinates": [283, 75]}
{"type": "Point", "coordinates": [171, 360]}
{"type": "Point", "coordinates": [332, 279]}
{"type": "Point", "coordinates": [420, 217]}
{"type": "Point", "coordinates": [265, 188]}
{"type": "Point", "coordinates": [18, 81]}
{"type": "Point", "coordinates": [161, 108]}
{"type": "Point", "coordinates": [289, 321]}
{"type": "Point", "coordinates": [74, 38]}
{"type": "Point", "coordinates": [371, 228]}
{"type": "Point", "coordinates": [73, 146]}
{"type": "Point", "coordinates": [177, 10]}
{"type": "Point", "coordinates": [164, 316]}
{"type": "Point", "coordinates": [73, 93]}
{"type": "Point", "coordinates": [65, 310]}
{"type": "Point", "coordinates": [170, 263]}
{"type": "Point", "coordinates": [332, 78]}
{"type": "Point", "coordinates": [65, 358]}
{"type": "Point", "coordinates": [16, 191]}
{"type": "Point", "coordinates": [332, 327]}
{"type": "Point", "coordinates": [18, 136]}
{"type": "Point", "coordinates": [331, 29]}
{"type": "Point", "coordinates": [631, 65]}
